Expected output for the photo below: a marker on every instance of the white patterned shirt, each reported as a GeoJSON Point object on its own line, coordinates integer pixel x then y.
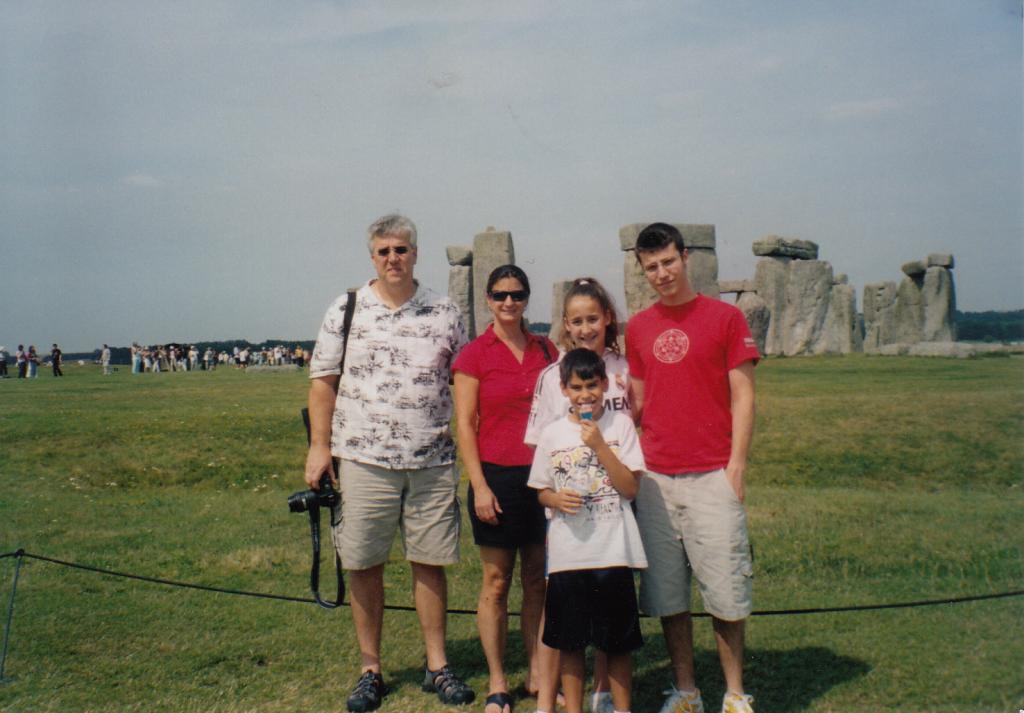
{"type": "Point", "coordinates": [394, 404]}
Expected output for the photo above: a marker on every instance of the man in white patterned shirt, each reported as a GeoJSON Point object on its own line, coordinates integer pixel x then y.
{"type": "Point", "coordinates": [387, 419]}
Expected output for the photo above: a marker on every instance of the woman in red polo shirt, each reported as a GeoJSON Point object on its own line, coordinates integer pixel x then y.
{"type": "Point", "coordinates": [495, 375]}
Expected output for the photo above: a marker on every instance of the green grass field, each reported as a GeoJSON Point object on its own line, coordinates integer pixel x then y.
{"type": "Point", "coordinates": [872, 480]}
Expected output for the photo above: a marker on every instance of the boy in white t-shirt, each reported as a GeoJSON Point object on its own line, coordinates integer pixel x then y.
{"type": "Point", "coordinates": [587, 467]}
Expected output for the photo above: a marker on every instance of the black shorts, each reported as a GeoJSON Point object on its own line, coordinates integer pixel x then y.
{"type": "Point", "coordinates": [592, 607]}
{"type": "Point", "coordinates": [521, 520]}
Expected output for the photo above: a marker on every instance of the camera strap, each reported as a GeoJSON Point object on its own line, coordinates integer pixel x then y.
{"type": "Point", "coordinates": [314, 573]}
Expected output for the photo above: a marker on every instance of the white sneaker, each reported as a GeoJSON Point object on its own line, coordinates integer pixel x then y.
{"type": "Point", "coordinates": [737, 703]}
{"type": "Point", "coordinates": [682, 701]}
{"type": "Point", "coordinates": [601, 702]}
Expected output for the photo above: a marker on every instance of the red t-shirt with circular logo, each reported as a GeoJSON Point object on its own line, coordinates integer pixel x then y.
{"type": "Point", "coordinates": [683, 354]}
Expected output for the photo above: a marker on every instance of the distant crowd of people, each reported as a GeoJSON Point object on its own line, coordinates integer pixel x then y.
{"type": "Point", "coordinates": [27, 362]}
{"type": "Point", "coordinates": [174, 357]}
{"type": "Point", "coordinates": [154, 359]}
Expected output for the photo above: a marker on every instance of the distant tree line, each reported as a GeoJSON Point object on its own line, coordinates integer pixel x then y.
{"type": "Point", "coordinates": [990, 326]}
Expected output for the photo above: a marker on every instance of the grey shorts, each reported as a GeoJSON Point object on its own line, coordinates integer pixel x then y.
{"type": "Point", "coordinates": [378, 501]}
{"type": "Point", "coordinates": [694, 523]}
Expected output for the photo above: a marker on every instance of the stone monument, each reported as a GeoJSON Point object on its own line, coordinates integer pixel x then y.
{"type": "Point", "coordinates": [920, 310]}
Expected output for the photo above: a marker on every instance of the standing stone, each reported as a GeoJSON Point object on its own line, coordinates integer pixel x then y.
{"type": "Point", "coordinates": [939, 305]}
{"type": "Point", "coordinates": [808, 288]}
{"type": "Point", "coordinates": [839, 334]}
{"type": "Point", "coordinates": [639, 294]}
{"type": "Point", "coordinates": [460, 291]}
{"type": "Point", "coordinates": [908, 312]}
{"type": "Point", "coordinates": [879, 300]}
{"type": "Point", "coordinates": [491, 248]}
{"type": "Point", "coordinates": [770, 284]}
{"type": "Point", "coordinates": [702, 269]}
{"type": "Point", "coordinates": [758, 317]}
{"type": "Point", "coordinates": [558, 292]}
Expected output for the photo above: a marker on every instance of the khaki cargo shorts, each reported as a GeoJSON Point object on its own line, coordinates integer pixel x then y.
{"type": "Point", "coordinates": [377, 501]}
{"type": "Point", "coordinates": [693, 523]}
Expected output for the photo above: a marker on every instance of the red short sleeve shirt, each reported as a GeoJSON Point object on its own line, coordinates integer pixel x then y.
{"type": "Point", "coordinates": [683, 354]}
{"type": "Point", "coordinates": [506, 393]}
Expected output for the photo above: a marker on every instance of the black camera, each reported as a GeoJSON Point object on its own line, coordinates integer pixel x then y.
{"type": "Point", "coordinates": [325, 497]}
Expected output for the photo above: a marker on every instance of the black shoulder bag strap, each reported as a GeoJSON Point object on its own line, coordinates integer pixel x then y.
{"type": "Point", "coordinates": [346, 325]}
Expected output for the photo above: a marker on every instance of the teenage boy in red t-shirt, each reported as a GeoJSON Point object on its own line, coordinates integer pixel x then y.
{"type": "Point", "coordinates": [691, 365]}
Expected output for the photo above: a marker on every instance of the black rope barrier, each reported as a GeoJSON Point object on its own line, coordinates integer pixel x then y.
{"type": "Point", "coordinates": [398, 607]}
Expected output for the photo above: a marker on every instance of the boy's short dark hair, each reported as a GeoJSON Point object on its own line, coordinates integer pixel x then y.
{"type": "Point", "coordinates": [657, 236]}
{"type": "Point", "coordinates": [582, 363]}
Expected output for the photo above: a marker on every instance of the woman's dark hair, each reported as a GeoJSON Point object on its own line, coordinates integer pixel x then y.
{"type": "Point", "coordinates": [513, 271]}
{"type": "Point", "coordinates": [583, 364]}
{"type": "Point", "coordinates": [589, 287]}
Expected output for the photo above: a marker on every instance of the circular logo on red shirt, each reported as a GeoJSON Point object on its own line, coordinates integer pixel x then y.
{"type": "Point", "coordinates": [671, 346]}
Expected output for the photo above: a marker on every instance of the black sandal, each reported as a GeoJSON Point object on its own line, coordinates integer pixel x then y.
{"type": "Point", "coordinates": [500, 699]}
{"type": "Point", "coordinates": [450, 689]}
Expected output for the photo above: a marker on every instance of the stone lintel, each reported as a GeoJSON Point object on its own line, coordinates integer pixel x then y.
{"type": "Point", "coordinates": [777, 246]}
{"type": "Point", "coordinates": [915, 267]}
{"type": "Point", "coordinates": [459, 255]}
{"type": "Point", "coordinates": [695, 236]}
{"type": "Point", "coordinates": [737, 286]}
{"type": "Point", "coordinates": [940, 260]}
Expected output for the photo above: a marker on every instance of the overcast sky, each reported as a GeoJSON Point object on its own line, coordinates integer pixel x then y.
{"type": "Point", "coordinates": [206, 170]}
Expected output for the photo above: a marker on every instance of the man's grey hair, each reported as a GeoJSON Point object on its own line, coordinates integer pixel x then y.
{"type": "Point", "coordinates": [392, 224]}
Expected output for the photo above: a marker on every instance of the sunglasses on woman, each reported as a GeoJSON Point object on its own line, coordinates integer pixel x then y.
{"type": "Point", "coordinates": [516, 295]}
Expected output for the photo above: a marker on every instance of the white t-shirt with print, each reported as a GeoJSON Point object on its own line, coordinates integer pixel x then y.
{"type": "Point", "coordinates": [549, 404]}
{"type": "Point", "coordinates": [603, 533]}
